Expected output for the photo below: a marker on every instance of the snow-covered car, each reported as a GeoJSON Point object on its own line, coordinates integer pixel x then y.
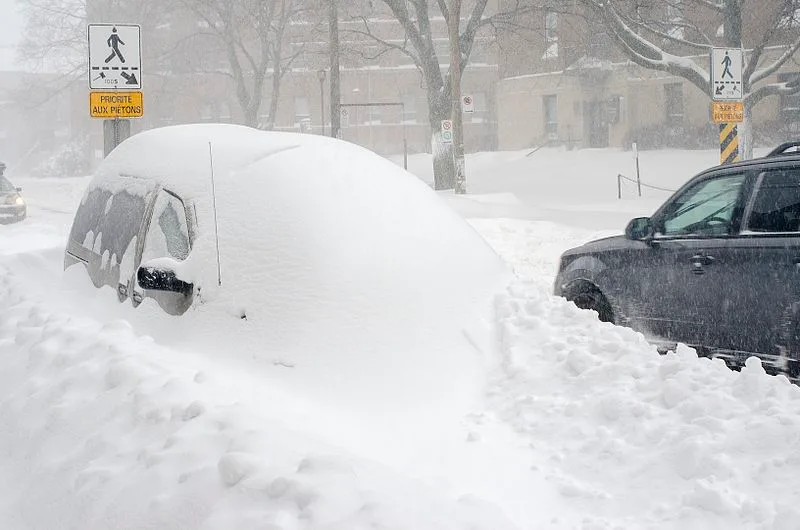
{"type": "Point", "coordinates": [716, 267]}
{"type": "Point", "coordinates": [287, 241]}
{"type": "Point", "coordinates": [12, 205]}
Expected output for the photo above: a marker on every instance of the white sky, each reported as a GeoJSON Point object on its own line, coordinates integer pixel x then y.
{"type": "Point", "coordinates": [10, 31]}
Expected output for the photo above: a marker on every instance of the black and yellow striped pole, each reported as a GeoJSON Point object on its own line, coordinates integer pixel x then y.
{"type": "Point", "coordinates": [728, 143]}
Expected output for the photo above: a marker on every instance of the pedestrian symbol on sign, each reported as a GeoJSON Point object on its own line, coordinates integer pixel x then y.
{"type": "Point", "coordinates": [726, 64]}
{"type": "Point", "coordinates": [113, 42]}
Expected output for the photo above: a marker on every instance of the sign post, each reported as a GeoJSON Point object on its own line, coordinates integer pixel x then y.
{"type": "Point", "coordinates": [115, 79]}
{"type": "Point", "coordinates": [447, 131]}
{"type": "Point", "coordinates": [727, 108]}
{"type": "Point", "coordinates": [468, 104]}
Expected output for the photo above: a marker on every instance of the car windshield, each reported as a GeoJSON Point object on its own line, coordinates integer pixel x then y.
{"type": "Point", "coordinates": [6, 186]}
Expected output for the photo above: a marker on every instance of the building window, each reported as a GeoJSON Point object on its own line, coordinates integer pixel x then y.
{"type": "Point", "coordinates": [374, 115]}
{"type": "Point", "coordinates": [224, 111]}
{"type": "Point", "coordinates": [301, 112]}
{"type": "Point", "coordinates": [410, 109]}
{"type": "Point", "coordinates": [673, 94]}
{"type": "Point", "coordinates": [615, 110]}
{"type": "Point", "coordinates": [550, 35]}
{"type": "Point", "coordinates": [480, 106]}
{"type": "Point", "coordinates": [550, 115]}
{"type": "Point", "coordinates": [790, 103]}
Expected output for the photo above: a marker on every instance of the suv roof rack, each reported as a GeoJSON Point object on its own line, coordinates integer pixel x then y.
{"type": "Point", "coordinates": [784, 149]}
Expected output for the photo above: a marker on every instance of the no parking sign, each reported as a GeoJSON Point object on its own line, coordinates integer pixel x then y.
{"type": "Point", "coordinates": [447, 131]}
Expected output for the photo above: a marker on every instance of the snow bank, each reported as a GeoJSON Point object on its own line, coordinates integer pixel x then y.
{"type": "Point", "coordinates": [102, 429]}
{"type": "Point", "coordinates": [643, 440]}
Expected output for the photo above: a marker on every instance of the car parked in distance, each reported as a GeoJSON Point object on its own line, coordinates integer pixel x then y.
{"type": "Point", "coordinates": [12, 205]}
{"type": "Point", "coordinates": [716, 267]}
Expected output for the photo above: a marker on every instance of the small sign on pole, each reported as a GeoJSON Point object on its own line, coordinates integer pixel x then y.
{"type": "Point", "coordinates": [447, 131]}
{"type": "Point", "coordinates": [726, 74]}
{"type": "Point", "coordinates": [468, 104]}
{"type": "Point", "coordinates": [115, 57]}
{"type": "Point", "coordinates": [116, 104]}
{"type": "Point", "coordinates": [727, 111]}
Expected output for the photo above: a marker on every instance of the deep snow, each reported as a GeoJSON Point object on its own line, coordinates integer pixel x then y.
{"type": "Point", "coordinates": [581, 425]}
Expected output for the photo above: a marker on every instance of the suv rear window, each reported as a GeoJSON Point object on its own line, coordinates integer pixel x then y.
{"type": "Point", "coordinates": [776, 206]}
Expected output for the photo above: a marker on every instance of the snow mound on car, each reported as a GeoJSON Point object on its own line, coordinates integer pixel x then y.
{"type": "Point", "coordinates": [340, 271]}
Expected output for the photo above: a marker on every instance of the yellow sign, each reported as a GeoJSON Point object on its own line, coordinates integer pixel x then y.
{"type": "Point", "coordinates": [116, 104]}
{"type": "Point", "coordinates": [727, 111]}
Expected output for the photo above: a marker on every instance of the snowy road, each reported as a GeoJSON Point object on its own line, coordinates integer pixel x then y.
{"type": "Point", "coordinates": [579, 425]}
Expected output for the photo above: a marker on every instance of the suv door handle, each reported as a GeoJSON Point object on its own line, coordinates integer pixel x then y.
{"type": "Point", "coordinates": [702, 259]}
{"type": "Point", "coordinates": [699, 261]}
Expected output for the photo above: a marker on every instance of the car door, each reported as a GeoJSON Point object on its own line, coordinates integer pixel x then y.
{"type": "Point", "coordinates": [766, 273]}
{"type": "Point", "coordinates": [167, 236]}
{"type": "Point", "coordinates": [680, 276]}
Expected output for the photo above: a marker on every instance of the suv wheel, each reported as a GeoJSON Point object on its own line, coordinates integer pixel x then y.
{"type": "Point", "coordinates": [590, 297]}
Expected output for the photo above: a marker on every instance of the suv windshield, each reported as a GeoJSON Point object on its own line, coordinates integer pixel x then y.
{"type": "Point", "coordinates": [6, 186]}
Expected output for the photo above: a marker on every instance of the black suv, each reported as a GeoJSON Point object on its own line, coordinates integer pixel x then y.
{"type": "Point", "coordinates": [716, 267]}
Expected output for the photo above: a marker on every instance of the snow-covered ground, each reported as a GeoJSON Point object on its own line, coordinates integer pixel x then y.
{"type": "Point", "coordinates": [576, 425]}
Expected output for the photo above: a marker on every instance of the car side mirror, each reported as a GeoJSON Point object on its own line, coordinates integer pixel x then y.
{"type": "Point", "coordinates": [158, 279]}
{"type": "Point", "coordinates": [639, 229]}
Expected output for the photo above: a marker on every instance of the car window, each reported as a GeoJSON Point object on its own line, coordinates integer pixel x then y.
{"type": "Point", "coordinates": [89, 214]}
{"type": "Point", "coordinates": [168, 234]}
{"type": "Point", "coordinates": [705, 209]}
{"type": "Point", "coordinates": [122, 216]}
{"type": "Point", "coordinates": [6, 186]}
{"type": "Point", "coordinates": [776, 206]}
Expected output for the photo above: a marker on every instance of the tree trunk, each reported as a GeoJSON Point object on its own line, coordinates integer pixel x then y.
{"type": "Point", "coordinates": [746, 133]}
{"type": "Point", "coordinates": [336, 97]}
{"type": "Point", "coordinates": [444, 168]}
{"type": "Point", "coordinates": [455, 96]}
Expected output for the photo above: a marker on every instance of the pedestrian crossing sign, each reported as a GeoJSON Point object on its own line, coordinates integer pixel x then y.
{"type": "Point", "coordinates": [726, 74]}
{"type": "Point", "coordinates": [115, 57]}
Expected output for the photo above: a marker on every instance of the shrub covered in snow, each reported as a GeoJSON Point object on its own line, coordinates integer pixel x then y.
{"type": "Point", "coordinates": [68, 160]}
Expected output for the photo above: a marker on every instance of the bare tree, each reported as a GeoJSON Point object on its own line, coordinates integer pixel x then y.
{"type": "Point", "coordinates": [253, 37]}
{"type": "Point", "coordinates": [417, 19]}
{"type": "Point", "coordinates": [654, 41]}
{"type": "Point", "coordinates": [453, 25]}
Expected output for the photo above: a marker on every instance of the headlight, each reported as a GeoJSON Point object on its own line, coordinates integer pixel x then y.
{"type": "Point", "coordinates": [19, 201]}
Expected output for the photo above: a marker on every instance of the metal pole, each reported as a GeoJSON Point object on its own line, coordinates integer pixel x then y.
{"type": "Point", "coordinates": [636, 157]}
{"type": "Point", "coordinates": [405, 139]}
{"type": "Point", "coordinates": [322, 103]}
{"type": "Point", "coordinates": [333, 22]}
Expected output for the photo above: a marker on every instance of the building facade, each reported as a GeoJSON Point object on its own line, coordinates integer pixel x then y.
{"type": "Point", "coordinates": [571, 85]}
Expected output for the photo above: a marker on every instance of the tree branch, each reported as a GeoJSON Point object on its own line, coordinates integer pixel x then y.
{"type": "Point", "coordinates": [762, 74]}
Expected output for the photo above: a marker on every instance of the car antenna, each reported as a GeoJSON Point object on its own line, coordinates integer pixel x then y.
{"type": "Point", "coordinates": [214, 203]}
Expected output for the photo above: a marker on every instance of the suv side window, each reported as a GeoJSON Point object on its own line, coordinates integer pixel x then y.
{"type": "Point", "coordinates": [776, 206]}
{"type": "Point", "coordinates": [168, 234]}
{"type": "Point", "coordinates": [705, 209]}
{"type": "Point", "coordinates": [88, 216]}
